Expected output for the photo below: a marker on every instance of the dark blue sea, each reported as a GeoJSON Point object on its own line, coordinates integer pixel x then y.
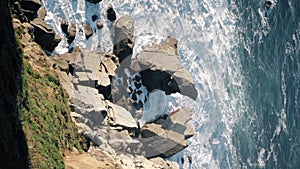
{"type": "Point", "coordinates": [268, 134]}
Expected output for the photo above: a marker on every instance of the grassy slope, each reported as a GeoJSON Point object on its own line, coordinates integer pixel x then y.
{"type": "Point", "coordinates": [45, 118]}
{"type": "Point", "coordinates": [44, 113]}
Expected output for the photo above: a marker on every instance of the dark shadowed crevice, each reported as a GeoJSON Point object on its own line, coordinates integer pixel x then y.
{"type": "Point", "coordinates": [13, 147]}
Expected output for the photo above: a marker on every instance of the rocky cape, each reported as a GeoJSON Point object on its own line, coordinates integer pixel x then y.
{"type": "Point", "coordinates": [108, 92]}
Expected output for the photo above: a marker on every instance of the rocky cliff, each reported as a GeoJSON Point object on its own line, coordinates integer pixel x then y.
{"type": "Point", "coordinates": [110, 105]}
{"type": "Point", "coordinates": [36, 128]}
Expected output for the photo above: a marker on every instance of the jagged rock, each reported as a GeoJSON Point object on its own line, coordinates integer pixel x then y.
{"type": "Point", "coordinates": [41, 13]}
{"type": "Point", "coordinates": [60, 63]}
{"type": "Point", "coordinates": [163, 61]}
{"type": "Point", "coordinates": [32, 5]}
{"type": "Point", "coordinates": [97, 70]}
{"type": "Point", "coordinates": [158, 79]}
{"type": "Point", "coordinates": [71, 58]}
{"type": "Point", "coordinates": [88, 31]}
{"type": "Point", "coordinates": [94, 1]}
{"type": "Point", "coordinates": [94, 159]}
{"type": "Point", "coordinates": [124, 37]}
{"type": "Point", "coordinates": [126, 162]}
{"type": "Point", "coordinates": [99, 25]}
{"type": "Point", "coordinates": [159, 142]}
{"type": "Point", "coordinates": [156, 163]}
{"type": "Point", "coordinates": [66, 81]}
{"type": "Point", "coordinates": [110, 62]}
{"type": "Point", "coordinates": [44, 35]}
{"type": "Point", "coordinates": [111, 14]}
{"type": "Point", "coordinates": [120, 116]}
{"type": "Point", "coordinates": [164, 164]}
{"type": "Point", "coordinates": [71, 33]}
{"type": "Point", "coordinates": [64, 24]}
{"type": "Point", "coordinates": [167, 136]}
{"type": "Point", "coordinates": [30, 8]}
{"type": "Point", "coordinates": [24, 30]}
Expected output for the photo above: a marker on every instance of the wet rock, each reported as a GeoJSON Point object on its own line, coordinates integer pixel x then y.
{"type": "Point", "coordinates": [161, 69]}
{"type": "Point", "coordinates": [71, 34]}
{"type": "Point", "coordinates": [139, 92]}
{"type": "Point", "coordinates": [99, 25]}
{"type": "Point", "coordinates": [111, 14]}
{"type": "Point", "coordinates": [268, 4]}
{"type": "Point", "coordinates": [44, 35]}
{"type": "Point", "coordinates": [94, 18]}
{"type": "Point", "coordinates": [138, 105]}
{"type": "Point", "coordinates": [124, 37]}
{"type": "Point", "coordinates": [94, 1]}
{"type": "Point", "coordinates": [64, 24]}
{"type": "Point", "coordinates": [158, 104]}
{"type": "Point", "coordinates": [88, 31]}
{"type": "Point", "coordinates": [138, 85]}
{"type": "Point", "coordinates": [69, 30]}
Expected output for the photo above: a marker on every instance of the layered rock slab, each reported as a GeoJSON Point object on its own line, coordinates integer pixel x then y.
{"type": "Point", "coordinates": [167, 135]}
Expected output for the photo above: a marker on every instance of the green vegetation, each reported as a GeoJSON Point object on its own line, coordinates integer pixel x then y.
{"type": "Point", "coordinates": [45, 118]}
{"type": "Point", "coordinates": [45, 114]}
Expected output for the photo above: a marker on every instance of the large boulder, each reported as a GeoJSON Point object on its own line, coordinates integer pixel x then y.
{"type": "Point", "coordinates": [44, 35]}
{"type": "Point", "coordinates": [160, 68]}
{"type": "Point", "coordinates": [120, 116]}
{"type": "Point", "coordinates": [124, 37]}
{"type": "Point", "coordinates": [166, 136]}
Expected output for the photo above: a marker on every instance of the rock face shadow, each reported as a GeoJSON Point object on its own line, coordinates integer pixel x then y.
{"type": "Point", "coordinates": [13, 146]}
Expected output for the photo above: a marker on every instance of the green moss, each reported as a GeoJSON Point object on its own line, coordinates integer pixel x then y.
{"type": "Point", "coordinates": [45, 118]}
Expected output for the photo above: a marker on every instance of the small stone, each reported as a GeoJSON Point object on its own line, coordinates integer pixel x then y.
{"type": "Point", "coordinates": [111, 14]}
{"type": "Point", "coordinates": [94, 18]}
{"type": "Point", "coordinates": [133, 96]}
{"type": "Point", "coordinates": [137, 78]}
{"type": "Point", "coordinates": [268, 4]}
{"type": "Point", "coordinates": [139, 105]}
{"type": "Point", "coordinates": [99, 25]}
{"type": "Point", "coordinates": [138, 85]}
{"type": "Point", "coordinates": [129, 90]}
{"type": "Point", "coordinates": [88, 31]}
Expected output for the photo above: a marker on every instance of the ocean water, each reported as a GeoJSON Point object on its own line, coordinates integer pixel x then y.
{"type": "Point", "coordinates": [245, 63]}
